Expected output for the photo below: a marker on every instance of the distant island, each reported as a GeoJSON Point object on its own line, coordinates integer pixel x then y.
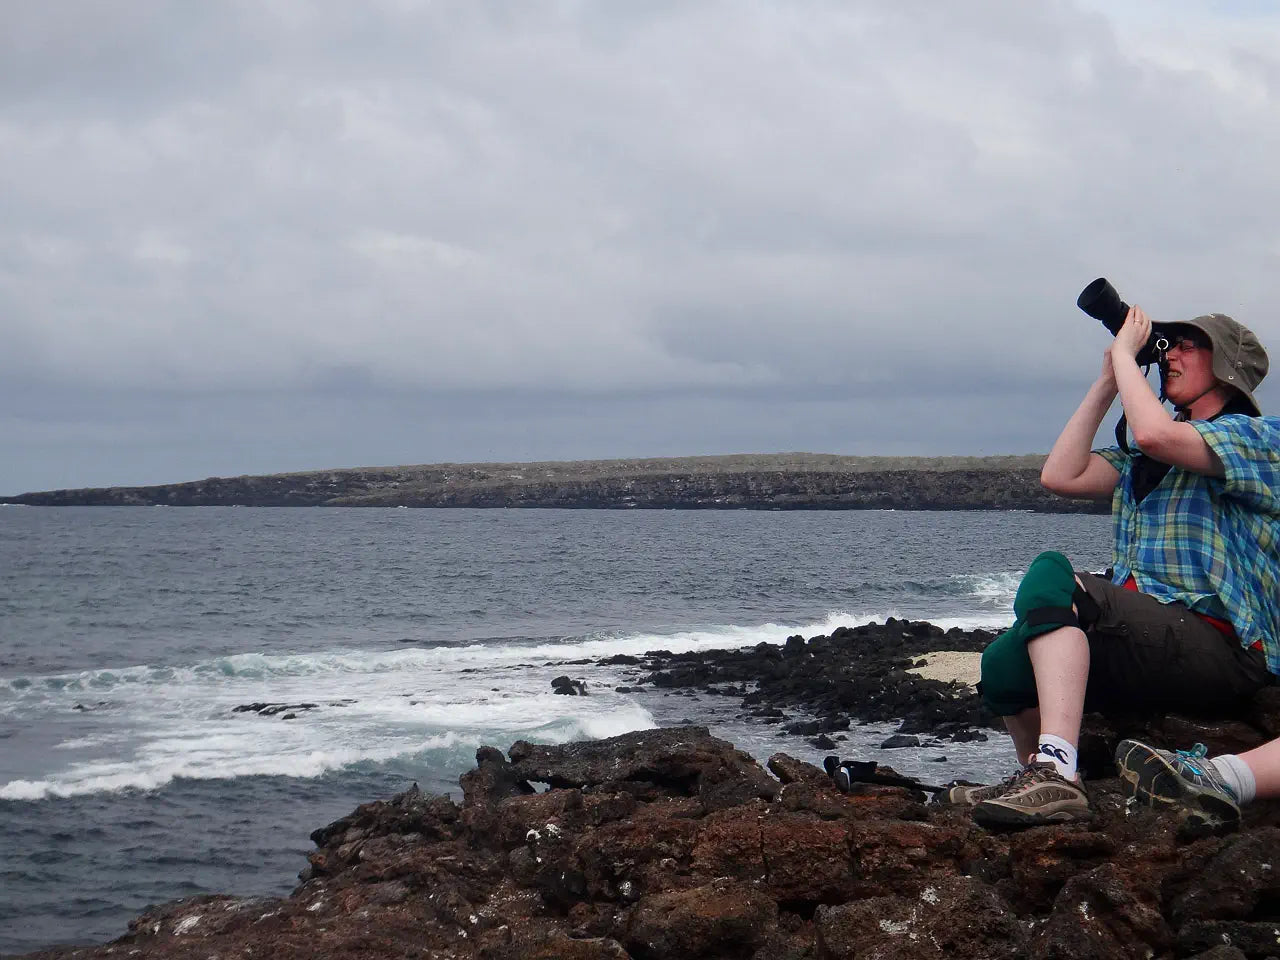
{"type": "Point", "coordinates": [780, 481]}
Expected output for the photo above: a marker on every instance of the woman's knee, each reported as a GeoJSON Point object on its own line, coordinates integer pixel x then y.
{"type": "Point", "coordinates": [1046, 596]}
{"type": "Point", "coordinates": [1008, 682]}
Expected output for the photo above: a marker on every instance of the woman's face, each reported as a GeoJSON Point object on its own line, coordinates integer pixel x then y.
{"type": "Point", "coordinates": [1188, 372]}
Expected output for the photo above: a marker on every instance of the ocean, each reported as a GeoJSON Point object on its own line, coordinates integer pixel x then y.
{"type": "Point", "coordinates": [402, 640]}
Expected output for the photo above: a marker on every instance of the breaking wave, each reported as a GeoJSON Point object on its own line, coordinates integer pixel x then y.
{"type": "Point", "coordinates": [246, 668]}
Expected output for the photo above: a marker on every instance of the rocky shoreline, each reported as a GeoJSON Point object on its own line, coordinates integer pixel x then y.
{"type": "Point", "coordinates": [672, 843]}
{"type": "Point", "coordinates": [862, 674]}
{"type": "Point", "coordinates": [762, 482]}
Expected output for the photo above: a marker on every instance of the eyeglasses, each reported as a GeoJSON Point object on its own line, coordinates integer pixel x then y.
{"type": "Point", "coordinates": [1187, 343]}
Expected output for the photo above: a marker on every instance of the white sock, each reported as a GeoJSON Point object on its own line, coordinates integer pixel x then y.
{"type": "Point", "coordinates": [1237, 775]}
{"type": "Point", "coordinates": [1059, 752]}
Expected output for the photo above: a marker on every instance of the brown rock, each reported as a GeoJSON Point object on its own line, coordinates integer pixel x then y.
{"type": "Point", "coordinates": [1221, 952]}
{"type": "Point", "coordinates": [807, 861]}
{"type": "Point", "coordinates": [1233, 882]}
{"type": "Point", "coordinates": [559, 946]}
{"type": "Point", "coordinates": [953, 917]}
{"type": "Point", "coordinates": [675, 761]}
{"type": "Point", "coordinates": [866, 802]}
{"type": "Point", "coordinates": [903, 857]}
{"type": "Point", "coordinates": [1264, 711]}
{"type": "Point", "coordinates": [729, 845]}
{"type": "Point", "coordinates": [721, 919]}
{"type": "Point", "coordinates": [1043, 860]}
{"type": "Point", "coordinates": [667, 850]}
{"type": "Point", "coordinates": [1258, 939]}
{"type": "Point", "coordinates": [651, 851]}
{"type": "Point", "coordinates": [790, 770]}
{"type": "Point", "coordinates": [493, 779]}
{"type": "Point", "coordinates": [1106, 913]}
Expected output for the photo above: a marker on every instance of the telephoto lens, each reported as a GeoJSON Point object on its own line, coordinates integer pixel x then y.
{"type": "Point", "coordinates": [1100, 301]}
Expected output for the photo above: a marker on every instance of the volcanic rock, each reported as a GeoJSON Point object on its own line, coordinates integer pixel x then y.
{"type": "Point", "coordinates": [274, 709]}
{"type": "Point", "coordinates": [622, 856]}
{"type": "Point", "coordinates": [569, 686]}
{"type": "Point", "coordinates": [858, 672]}
{"type": "Point", "coordinates": [899, 740]}
{"type": "Point", "coordinates": [862, 673]}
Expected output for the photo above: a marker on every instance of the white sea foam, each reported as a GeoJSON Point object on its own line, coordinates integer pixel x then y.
{"type": "Point", "coordinates": [85, 743]}
{"type": "Point", "coordinates": [372, 706]}
{"type": "Point", "coordinates": [272, 674]}
{"type": "Point", "coordinates": [602, 725]}
{"type": "Point", "coordinates": [243, 667]}
{"type": "Point", "coordinates": [248, 746]}
{"type": "Point", "coordinates": [164, 765]}
{"type": "Point", "coordinates": [997, 588]}
{"type": "Point", "coordinates": [369, 707]}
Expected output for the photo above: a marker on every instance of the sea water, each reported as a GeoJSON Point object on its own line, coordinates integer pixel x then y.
{"type": "Point", "coordinates": [129, 636]}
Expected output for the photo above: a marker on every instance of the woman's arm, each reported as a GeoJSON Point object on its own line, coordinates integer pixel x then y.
{"type": "Point", "coordinates": [1071, 470]}
{"type": "Point", "coordinates": [1158, 435]}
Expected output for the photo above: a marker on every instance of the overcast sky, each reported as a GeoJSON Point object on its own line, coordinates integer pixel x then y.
{"type": "Point", "coordinates": [281, 235]}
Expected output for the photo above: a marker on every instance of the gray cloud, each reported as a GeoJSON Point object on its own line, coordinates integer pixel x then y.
{"type": "Point", "coordinates": [566, 223]}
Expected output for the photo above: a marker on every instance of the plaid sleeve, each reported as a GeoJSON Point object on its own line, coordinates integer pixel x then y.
{"type": "Point", "coordinates": [1249, 448]}
{"type": "Point", "coordinates": [1114, 456]}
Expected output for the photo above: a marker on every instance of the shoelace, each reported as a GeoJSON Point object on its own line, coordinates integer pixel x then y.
{"type": "Point", "coordinates": [1191, 758]}
{"type": "Point", "coordinates": [1011, 779]}
{"type": "Point", "coordinates": [1034, 774]}
{"type": "Point", "coordinates": [999, 788]}
{"type": "Point", "coordinates": [1007, 782]}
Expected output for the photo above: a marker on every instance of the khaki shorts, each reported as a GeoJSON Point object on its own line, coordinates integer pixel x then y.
{"type": "Point", "coordinates": [1144, 654]}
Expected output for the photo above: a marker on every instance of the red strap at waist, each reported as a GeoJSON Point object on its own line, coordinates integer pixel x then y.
{"type": "Point", "coordinates": [1224, 628]}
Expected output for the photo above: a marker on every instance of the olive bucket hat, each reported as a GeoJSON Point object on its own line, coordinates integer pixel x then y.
{"type": "Point", "coordinates": [1238, 358]}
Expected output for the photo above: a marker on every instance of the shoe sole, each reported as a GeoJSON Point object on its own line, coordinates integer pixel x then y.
{"type": "Point", "coordinates": [997, 815]}
{"type": "Point", "coordinates": [1152, 780]}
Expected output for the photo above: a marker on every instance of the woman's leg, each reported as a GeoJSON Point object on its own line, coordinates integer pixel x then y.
{"type": "Point", "coordinates": [1264, 761]}
{"type": "Point", "coordinates": [1009, 690]}
{"type": "Point", "coordinates": [1024, 727]}
{"type": "Point", "coordinates": [1052, 668]}
{"type": "Point", "coordinates": [1039, 795]}
{"type": "Point", "coordinates": [1060, 660]}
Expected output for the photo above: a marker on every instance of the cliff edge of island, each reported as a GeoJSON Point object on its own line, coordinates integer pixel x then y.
{"type": "Point", "coordinates": [784, 481]}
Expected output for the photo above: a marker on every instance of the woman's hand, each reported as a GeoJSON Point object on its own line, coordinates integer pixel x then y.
{"type": "Point", "coordinates": [1134, 334]}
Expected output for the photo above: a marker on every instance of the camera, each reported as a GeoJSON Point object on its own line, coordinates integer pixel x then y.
{"type": "Point", "coordinates": [1100, 301]}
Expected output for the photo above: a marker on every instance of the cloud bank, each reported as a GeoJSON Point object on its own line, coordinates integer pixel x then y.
{"type": "Point", "coordinates": [247, 237]}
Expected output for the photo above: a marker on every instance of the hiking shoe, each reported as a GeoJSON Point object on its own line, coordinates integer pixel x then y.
{"type": "Point", "coordinates": [1035, 796]}
{"type": "Point", "coordinates": [962, 793]}
{"type": "Point", "coordinates": [1178, 780]}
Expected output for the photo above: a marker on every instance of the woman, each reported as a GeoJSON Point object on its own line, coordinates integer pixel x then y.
{"type": "Point", "coordinates": [1191, 617]}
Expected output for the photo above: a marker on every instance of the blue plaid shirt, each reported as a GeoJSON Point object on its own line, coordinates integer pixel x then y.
{"type": "Point", "coordinates": [1210, 543]}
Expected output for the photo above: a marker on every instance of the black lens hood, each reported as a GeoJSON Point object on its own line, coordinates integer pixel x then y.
{"type": "Point", "coordinates": [1100, 301]}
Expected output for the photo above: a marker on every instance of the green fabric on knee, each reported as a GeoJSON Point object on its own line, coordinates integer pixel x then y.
{"type": "Point", "coordinates": [1045, 595]}
{"type": "Point", "coordinates": [1008, 682]}
{"type": "Point", "coordinates": [1043, 603]}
